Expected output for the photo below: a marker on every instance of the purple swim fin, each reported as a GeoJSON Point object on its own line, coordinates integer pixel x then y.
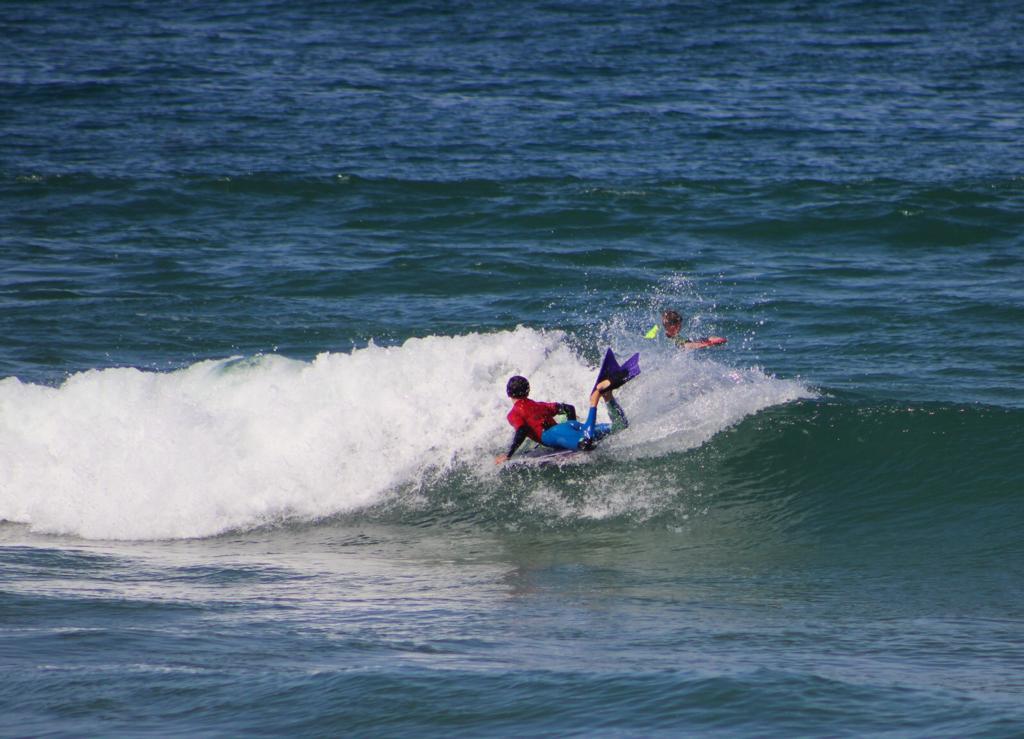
{"type": "Point", "coordinates": [618, 374]}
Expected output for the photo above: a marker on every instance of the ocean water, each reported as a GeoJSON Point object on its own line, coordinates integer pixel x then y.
{"type": "Point", "coordinates": [265, 268]}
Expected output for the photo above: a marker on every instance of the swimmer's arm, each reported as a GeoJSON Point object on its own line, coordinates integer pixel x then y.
{"type": "Point", "coordinates": [517, 441]}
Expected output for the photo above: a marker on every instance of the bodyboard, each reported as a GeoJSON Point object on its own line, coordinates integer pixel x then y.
{"type": "Point", "coordinates": [703, 343]}
{"type": "Point", "coordinates": [541, 456]}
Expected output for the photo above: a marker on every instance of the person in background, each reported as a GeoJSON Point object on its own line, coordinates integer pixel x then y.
{"type": "Point", "coordinates": [673, 323]}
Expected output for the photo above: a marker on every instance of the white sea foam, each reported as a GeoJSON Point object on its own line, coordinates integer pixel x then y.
{"type": "Point", "coordinates": [238, 443]}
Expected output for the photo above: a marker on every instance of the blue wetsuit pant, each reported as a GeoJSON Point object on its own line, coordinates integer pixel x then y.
{"type": "Point", "coordinates": [576, 435]}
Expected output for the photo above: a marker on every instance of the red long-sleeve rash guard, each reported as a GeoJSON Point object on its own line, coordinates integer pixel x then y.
{"type": "Point", "coordinates": [531, 418]}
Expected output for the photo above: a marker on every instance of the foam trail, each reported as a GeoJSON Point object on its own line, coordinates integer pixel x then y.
{"type": "Point", "coordinates": [121, 453]}
{"type": "Point", "coordinates": [240, 443]}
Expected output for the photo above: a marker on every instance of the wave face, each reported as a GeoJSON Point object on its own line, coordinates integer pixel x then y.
{"type": "Point", "coordinates": [773, 470]}
{"type": "Point", "coordinates": [406, 434]}
{"type": "Point", "coordinates": [240, 443]}
{"type": "Point", "coordinates": [844, 470]}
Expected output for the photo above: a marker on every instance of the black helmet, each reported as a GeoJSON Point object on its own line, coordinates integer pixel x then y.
{"type": "Point", "coordinates": [517, 387]}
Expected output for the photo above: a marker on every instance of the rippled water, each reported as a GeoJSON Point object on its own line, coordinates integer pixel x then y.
{"type": "Point", "coordinates": [264, 271]}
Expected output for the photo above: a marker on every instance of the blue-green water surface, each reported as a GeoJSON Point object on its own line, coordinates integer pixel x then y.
{"type": "Point", "coordinates": [265, 268]}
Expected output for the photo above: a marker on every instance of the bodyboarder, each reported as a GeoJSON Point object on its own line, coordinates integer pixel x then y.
{"type": "Point", "coordinates": [536, 420]}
